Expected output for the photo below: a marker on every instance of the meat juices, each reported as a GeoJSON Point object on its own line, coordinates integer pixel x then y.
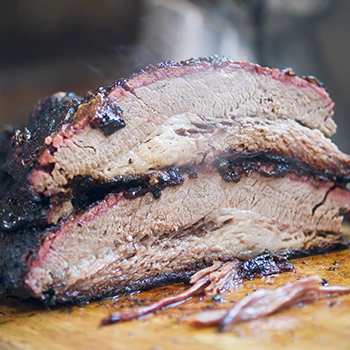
{"type": "Point", "coordinates": [159, 175]}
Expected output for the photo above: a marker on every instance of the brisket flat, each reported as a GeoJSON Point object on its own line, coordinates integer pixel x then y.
{"type": "Point", "coordinates": [163, 173]}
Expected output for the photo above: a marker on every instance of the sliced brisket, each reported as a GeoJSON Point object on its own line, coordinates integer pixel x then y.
{"type": "Point", "coordinates": [197, 90]}
{"type": "Point", "coordinates": [165, 172]}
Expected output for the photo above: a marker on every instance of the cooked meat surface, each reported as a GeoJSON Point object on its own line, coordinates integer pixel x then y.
{"type": "Point", "coordinates": [151, 102]}
{"type": "Point", "coordinates": [180, 165]}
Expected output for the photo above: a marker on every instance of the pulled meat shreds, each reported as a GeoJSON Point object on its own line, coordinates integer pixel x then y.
{"type": "Point", "coordinates": [116, 317]}
{"type": "Point", "coordinates": [215, 279]}
{"type": "Point", "coordinates": [263, 303]}
{"type": "Point", "coordinates": [224, 278]}
{"type": "Point", "coordinates": [205, 272]}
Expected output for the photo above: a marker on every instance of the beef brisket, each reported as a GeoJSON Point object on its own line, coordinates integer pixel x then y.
{"type": "Point", "coordinates": [165, 172]}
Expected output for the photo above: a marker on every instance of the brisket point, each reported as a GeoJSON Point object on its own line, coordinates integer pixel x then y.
{"type": "Point", "coordinates": [159, 175]}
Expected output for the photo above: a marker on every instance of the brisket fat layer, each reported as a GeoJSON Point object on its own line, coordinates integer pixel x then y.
{"type": "Point", "coordinates": [159, 175]}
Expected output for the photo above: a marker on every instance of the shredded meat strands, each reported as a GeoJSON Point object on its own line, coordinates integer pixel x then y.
{"type": "Point", "coordinates": [263, 303]}
{"type": "Point", "coordinates": [143, 311]}
{"type": "Point", "coordinates": [221, 277]}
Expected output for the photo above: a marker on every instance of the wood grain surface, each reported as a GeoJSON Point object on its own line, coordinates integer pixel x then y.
{"type": "Point", "coordinates": [322, 325]}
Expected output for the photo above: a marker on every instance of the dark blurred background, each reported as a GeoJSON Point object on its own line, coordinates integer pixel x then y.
{"type": "Point", "coordinates": [48, 46]}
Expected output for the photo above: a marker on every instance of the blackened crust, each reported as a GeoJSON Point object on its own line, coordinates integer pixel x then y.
{"type": "Point", "coordinates": [15, 251]}
{"type": "Point", "coordinates": [100, 112]}
{"type": "Point", "coordinates": [232, 166]}
{"type": "Point", "coordinates": [340, 244]}
{"type": "Point", "coordinates": [263, 265]}
{"type": "Point", "coordinates": [5, 142]}
{"type": "Point", "coordinates": [7, 183]}
{"type": "Point", "coordinates": [108, 119]}
{"type": "Point", "coordinates": [27, 144]}
{"type": "Point", "coordinates": [20, 211]}
{"type": "Point", "coordinates": [124, 289]}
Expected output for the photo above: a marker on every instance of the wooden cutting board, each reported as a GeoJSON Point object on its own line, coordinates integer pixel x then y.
{"type": "Point", "coordinates": [322, 325]}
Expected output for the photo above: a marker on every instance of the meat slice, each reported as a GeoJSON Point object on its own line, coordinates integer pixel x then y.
{"type": "Point", "coordinates": [123, 245]}
{"type": "Point", "coordinates": [112, 123]}
{"type": "Point", "coordinates": [165, 172]}
{"type": "Point", "coordinates": [275, 147]}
